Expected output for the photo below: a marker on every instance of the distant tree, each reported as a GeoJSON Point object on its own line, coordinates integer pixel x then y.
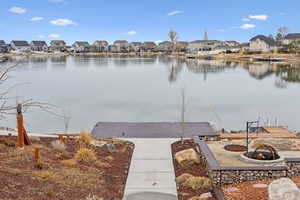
{"type": "Point", "coordinates": [271, 36]}
{"type": "Point", "coordinates": [293, 47]}
{"type": "Point", "coordinates": [282, 32]}
{"type": "Point", "coordinates": [173, 36]}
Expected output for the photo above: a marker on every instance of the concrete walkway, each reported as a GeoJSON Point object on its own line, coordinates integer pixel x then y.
{"type": "Point", "coordinates": [151, 171]}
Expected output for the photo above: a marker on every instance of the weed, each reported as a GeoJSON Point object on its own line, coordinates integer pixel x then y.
{"type": "Point", "coordinates": [85, 155]}
{"type": "Point", "coordinates": [8, 142]}
{"type": "Point", "coordinates": [85, 137]}
{"type": "Point", "coordinates": [93, 197]}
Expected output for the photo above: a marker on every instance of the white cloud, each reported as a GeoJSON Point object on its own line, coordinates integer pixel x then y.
{"type": "Point", "coordinates": [41, 36]}
{"type": "Point", "coordinates": [175, 12]}
{"type": "Point", "coordinates": [246, 19]}
{"type": "Point", "coordinates": [158, 41]}
{"type": "Point", "coordinates": [36, 19]}
{"type": "Point", "coordinates": [131, 32]}
{"type": "Point", "coordinates": [17, 10]}
{"type": "Point", "coordinates": [53, 35]}
{"type": "Point", "coordinates": [62, 22]}
{"type": "Point", "coordinates": [247, 26]}
{"type": "Point", "coordinates": [258, 17]}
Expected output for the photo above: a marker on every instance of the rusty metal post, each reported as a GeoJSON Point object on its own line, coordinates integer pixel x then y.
{"type": "Point", "coordinates": [36, 154]}
{"type": "Point", "coordinates": [20, 126]}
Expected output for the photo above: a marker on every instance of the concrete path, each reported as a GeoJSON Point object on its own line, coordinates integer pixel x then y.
{"type": "Point", "coordinates": [151, 172]}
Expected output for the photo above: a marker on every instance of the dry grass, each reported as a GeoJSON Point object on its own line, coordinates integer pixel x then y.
{"type": "Point", "coordinates": [85, 137]}
{"type": "Point", "coordinates": [41, 165]}
{"type": "Point", "coordinates": [109, 158]}
{"type": "Point", "coordinates": [197, 182]}
{"type": "Point", "coordinates": [102, 164]}
{"type": "Point", "coordinates": [44, 175]}
{"type": "Point", "coordinates": [69, 163]}
{"type": "Point", "coordinates": [58, 145]}
{"type": "Point", "coordinates": [8, 142]}
{"type": "Point", "coordinates": [93, 197]}
{"type": "Point", "coordinates": [85, 155]}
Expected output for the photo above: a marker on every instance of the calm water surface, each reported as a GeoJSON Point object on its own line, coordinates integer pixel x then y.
{"type": "Point", "coordinates": [88, 89]}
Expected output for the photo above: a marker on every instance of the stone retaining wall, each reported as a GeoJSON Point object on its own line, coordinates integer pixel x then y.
{"type": "Point", "coordinates": [229, 175]}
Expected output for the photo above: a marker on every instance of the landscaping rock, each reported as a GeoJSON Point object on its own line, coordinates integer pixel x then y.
{"type": "Point", "coordinates": [283, 188]}
{"type": "Point", "coordinates": [183, 177]}
{"type": "Point", "coordinates": [105, 146]}
{"type": "Point", "coordinates": [260, 185]}
{"type": "Point", "coordinates": [202, 196]}
{"type": "Point", "coordinates": [188, 156]}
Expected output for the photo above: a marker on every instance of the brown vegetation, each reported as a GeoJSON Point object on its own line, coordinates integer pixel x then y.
{"type": "Point", "coordinates": [75, 171]}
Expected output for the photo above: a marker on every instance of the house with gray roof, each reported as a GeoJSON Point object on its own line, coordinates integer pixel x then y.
{"type": "Point", "coordinates": [20, 46]}
{"type": "Point", "coordinates": [165, 46]}
{"type": "Point", "coordinates": [262, 43]}
{"type": "Point", "coordinates": [122, 45]}
{"type": "Point", "coordinates": [39, 46]}
{"type": "Point", "coordinates": [291, 37]}
{"type": "Point", "coordinates": [58, 45]}
{"type": "Point", "coordinates": [81, 47]}
{"type": "Point", "coordinates": [3, 47]}
{"type": "Point", "coordinates": [135, 46]}
{"type": "Point", "coordinates": [204, 47]}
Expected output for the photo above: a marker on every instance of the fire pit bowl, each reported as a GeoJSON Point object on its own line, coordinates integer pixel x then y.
{"type": "Point", "coordinates": [262, 154]}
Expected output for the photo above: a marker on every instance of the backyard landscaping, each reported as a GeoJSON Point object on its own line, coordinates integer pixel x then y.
{"type": "Point", "coordinates": [72, 168]}
{"type": "Point", "coordinates": [191, 178]}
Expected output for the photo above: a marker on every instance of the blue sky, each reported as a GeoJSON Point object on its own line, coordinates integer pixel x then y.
{"type": "Point", "coordinates": [144, 20]}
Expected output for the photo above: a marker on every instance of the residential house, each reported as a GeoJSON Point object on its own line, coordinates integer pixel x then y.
{"type": "Point", "coordinates": [20, 46]}
{"type": "Point", "coordinates": [100, 46]}
{"type": "Point", "coordinates": [262, 43]}
{"type": "Point", "coordinates": [181, 46]}
{"type": "Point", "coordinates": [203, 47]}
{"type": "Point", "coordinates": [122, 45]}
{"type": "Point", "coordinates": [165, 46]}
{"type": "Point", "coordinates": [135, 46]}
{"type": "Point", "coordinates": [113, 48]}
{"type": "Point", "coordinates": [291, 38]}
{"type": "Point", "coordinates": [149, 46]}
{"type": "Point", "coordinates": [232, 43]}
{"type": "Point", "coordinates": [81, 46]}
{"type": "Point", "coordinates": [3, 47]}
{"type": "Point", "coordinates": [58, 45]}
{"type": "Point", "coordinates": [39, 46]}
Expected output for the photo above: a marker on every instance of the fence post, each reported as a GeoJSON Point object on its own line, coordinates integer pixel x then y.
{"type": "Point", "coordinates": [21, 137]}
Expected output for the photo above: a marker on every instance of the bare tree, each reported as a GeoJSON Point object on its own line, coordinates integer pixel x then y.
{"type": "Point", "coordinates": [173, 36]}
{"type": "Point", "coordinates": [8, 103]}
{"type": "Point", "coordinates": [282, 32]}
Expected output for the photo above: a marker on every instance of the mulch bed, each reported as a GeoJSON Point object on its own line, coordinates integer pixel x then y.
{"type": "Point", "coordinates": [235, 148]}
{"type": "Point", "coordinates": [21, 179]}
{"type": "Point", "coordinates": [246, 191]}
{"type": "Point", "coordinates": [184, 193]}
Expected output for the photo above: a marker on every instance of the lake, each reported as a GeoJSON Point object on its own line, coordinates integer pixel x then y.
{"type": "Point", "coordinates": [88, 89]}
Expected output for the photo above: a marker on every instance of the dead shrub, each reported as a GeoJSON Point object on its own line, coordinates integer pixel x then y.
{"type": "Point", "coordinates": [63, 155]}
{"type": "Point", "coordinates": [8, 142]}
{"type": "Point", "coordinates": [85, 137]}
{"type": "Point", "coordinates": [102, 164]}
{"type": "Point", "coordinates": [58, 145]}
{"type": "Point", "coordinates": [197, 182]}
{"type": "Point", "coordinates": [109, 158]}
{"type": "Point", "coordinates": [44, 175]}
{"type": "Point", "coordinates": [85, 155]}
{"type": "Point", "coordinates": [69, 163]}
{"type": "Point", "coordinates": [41, 165]}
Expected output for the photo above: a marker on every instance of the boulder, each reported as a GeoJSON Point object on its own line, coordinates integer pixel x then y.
{"type": "Point", "coordinates": [283, 188]}
{"type": "Point", "coordinates": [105, 146]}
{"type": "Point", "coordinates": [183, 177]}
{"type": "Point", "coordinates": [188, 156]}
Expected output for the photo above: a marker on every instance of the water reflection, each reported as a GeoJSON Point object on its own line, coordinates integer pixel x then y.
{"type": "Point", "coordinates": [39, 63]}
{"type": "Point", "coordinates": [58, 62]}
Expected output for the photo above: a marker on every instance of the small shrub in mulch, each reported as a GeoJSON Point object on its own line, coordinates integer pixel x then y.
{"type": "Point", "coordinates": [8, 142]}
{"type": "Point", "coordinates": [85, 155]}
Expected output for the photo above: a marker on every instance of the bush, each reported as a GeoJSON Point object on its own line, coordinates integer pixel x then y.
{"type": "Point", "coordinates": [85, 137]}
{"type": "Point", "coordinates": [85, 155]}
{"type": "Point", "coordinates": [58, 145]}
{"type": "Point", "coordinates": [198, 183]}
{"type": "Point", "coordinates": [8, 142]}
